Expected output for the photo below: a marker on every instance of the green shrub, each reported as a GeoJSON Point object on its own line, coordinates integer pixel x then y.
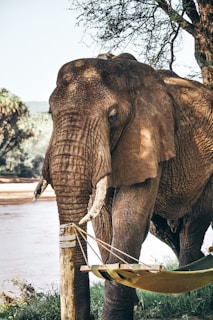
{"type": "Point", "coordinates": [15, 126]}
{"type": "Point", "coordinates": [97, 299]}
{"type": "Point", "coordinates": [198, 303]}
{"type": "Point", "coordinates": [40, 307]}
{"type": "Point", "coordinates": [26, 161]}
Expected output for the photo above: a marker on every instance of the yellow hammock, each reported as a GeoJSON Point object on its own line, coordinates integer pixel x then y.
{"type": "Point", "coordinates": [152, 278]}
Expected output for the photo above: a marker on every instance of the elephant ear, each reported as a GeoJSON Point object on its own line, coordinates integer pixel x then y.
{"type": "Point", "coordinates": [148, 139]}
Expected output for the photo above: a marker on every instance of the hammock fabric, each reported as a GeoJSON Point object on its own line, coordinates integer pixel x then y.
{"type": "Point", "coordinates": [155, 279]}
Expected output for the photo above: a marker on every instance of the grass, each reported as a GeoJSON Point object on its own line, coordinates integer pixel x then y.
{"type": "Point", "coordinates": [197, 303]}
{"type": "Point", "coordinates": [39, 306]}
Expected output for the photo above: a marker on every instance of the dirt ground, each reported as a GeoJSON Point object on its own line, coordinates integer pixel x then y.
{"type": "Point", "coordinates": [19, 190]}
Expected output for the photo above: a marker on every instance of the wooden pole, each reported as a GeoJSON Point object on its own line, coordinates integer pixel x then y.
{"type": "Point", "coordinates": [67, 272]}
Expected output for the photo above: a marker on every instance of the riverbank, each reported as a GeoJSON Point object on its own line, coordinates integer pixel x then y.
{"type": "Point", "coordinates": [20, 190]}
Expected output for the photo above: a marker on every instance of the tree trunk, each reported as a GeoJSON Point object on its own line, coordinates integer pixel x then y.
{"type": "Point", "coordinates": [72, 198]}
{"type": "Point", "coordinates": [72, 206]}
{"type": "Point", "coordinates": [203, 41]}
{"type": "Point", "coordinates": [67, 273]}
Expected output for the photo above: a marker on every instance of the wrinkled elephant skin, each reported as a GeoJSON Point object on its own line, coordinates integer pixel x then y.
{"type": "Point", "coordinates": [141, 143]}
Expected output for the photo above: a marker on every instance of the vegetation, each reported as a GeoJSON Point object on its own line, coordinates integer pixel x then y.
{"type": "Point", "coordinates": [198, 303]}
{"type": "Point", "coordinates": [23, 137]}
{"type": "Point", "coordinates": [39, 306]}
{"type": "Point", "coordinates": [154, 26]}
{"type": "Point", "coordinates": [14, 124]}
{"type": "Point", "coordinates": [28, 159]}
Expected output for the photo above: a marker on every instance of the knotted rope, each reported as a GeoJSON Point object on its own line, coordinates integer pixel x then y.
{"type": "Point", "coordinates": [69, 241]}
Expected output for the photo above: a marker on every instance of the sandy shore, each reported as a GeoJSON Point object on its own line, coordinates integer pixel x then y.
{"type": "Point", "coordinates": [21, 191]}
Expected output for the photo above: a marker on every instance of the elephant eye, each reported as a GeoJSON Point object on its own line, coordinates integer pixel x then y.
{"type": "Point", "coordinates": [112, 115]}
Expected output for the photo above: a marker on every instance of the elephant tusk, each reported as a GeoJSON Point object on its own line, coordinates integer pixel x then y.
{"type": "Point", "coordinates": [100, 195]}
{"type": "Point", "coordinates": [41, 186]}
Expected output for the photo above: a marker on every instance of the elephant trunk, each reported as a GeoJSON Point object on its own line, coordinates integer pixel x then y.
{"type": "Point", "coordinates": [72, 204]}
{"type": "Point", "coordinates": [77, 159]}
{"type": "Point", "coordinates": [69, 174]}
{"type": "Point", "coordinates": [73, 169]}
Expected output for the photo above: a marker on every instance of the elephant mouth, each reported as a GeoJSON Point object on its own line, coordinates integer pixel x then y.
{"type": "Point", "coordinates": [98, 203]}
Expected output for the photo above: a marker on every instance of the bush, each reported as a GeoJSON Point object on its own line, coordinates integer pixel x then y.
{"type": "Point", "coordinates": [23, 303]}
{"type": "Point", "coordinates": [26, 161]}
{"type": "Point", "coordinates": [40, 307]}
{"type": "Point", "coordinates": [198, 303]}
{"type": "Point", "coordinates": [14, 124]}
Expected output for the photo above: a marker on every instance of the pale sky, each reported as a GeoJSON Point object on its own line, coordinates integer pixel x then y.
{"type": "Point", "coordinates": [38, 37]}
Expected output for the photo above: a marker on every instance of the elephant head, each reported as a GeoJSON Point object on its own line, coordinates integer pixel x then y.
{"type": "Point", "coordinates": [112, 126]}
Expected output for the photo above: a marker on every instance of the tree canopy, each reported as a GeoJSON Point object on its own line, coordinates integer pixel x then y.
{"type": "Point", "coordinates": [23, 137]}
{"type": "Point", "coordinates": [14, 127]}
{"type": "Point", "coordinates": [154, 26]}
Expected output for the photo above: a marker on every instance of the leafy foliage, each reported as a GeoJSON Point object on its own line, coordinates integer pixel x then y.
{"type": "Point", "coordinates": [39, 306]}
{"type": "Point", "coordinates": [117, 23]}
{"type": "Point", "coordinates": [198, 303]}
{"type": "Point", "coordinates": [28, 159]}
{"type": "Point", "coordinates": [97, 300]}
{"type": "Point", "coordinates": [154, 27]}
{"type": "Point", "coordinates": [28, 304]}
{"type": "Point", "coordinates": [23, 138]}
{"type": "Point", "coordinates": [14, 125]}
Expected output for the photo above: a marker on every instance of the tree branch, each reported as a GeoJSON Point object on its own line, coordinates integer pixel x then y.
{"type": "Point", "coordinates": [191, 11]}
{"type": "Point", "coordinates": [176, 32]}
{"type": "Point", "coordinates": [175, 16]}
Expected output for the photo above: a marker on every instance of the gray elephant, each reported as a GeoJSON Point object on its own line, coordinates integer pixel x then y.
{"type": "Point", "coordinates": [141, 142]}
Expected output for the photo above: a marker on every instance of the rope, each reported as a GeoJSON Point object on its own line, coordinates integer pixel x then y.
{"type": "Point", "coordinates": [81, 247]}
{"type": "Point", "coordinates": [103, 244]}
{"type": "Point", "coordinates": [85, 239]}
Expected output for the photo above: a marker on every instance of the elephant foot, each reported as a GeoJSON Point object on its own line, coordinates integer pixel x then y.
{"type": "Point", "coordinates": [118, 302]}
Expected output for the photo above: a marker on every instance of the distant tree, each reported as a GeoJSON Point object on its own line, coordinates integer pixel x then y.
{"type": "Point", "coordinates": [153, 25]}
{"type": "Point", "coordinates": [27, 159]}
{"type": "Point", "coordinates": [14, 124]}
{"type": "Point", "coordinates": [33, 150]}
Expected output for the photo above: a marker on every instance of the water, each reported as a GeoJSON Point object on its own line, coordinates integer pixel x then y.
{"type": "Point", "coordinates": [29, 245]}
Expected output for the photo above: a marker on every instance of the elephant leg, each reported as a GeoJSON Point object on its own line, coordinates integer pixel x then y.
{"type": "Point", "coordinates": [192, 235]}
{"type": "Point", "coordinates": [102, 226]}
{"type": "Point", "coordinates": [195, 226]}
{"type": "Point", "coordinates": [159, 227]}
{"type": "Point", "coordinates": [131, 213]}
{"type": "Point", "coordinates": [191, 239]}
